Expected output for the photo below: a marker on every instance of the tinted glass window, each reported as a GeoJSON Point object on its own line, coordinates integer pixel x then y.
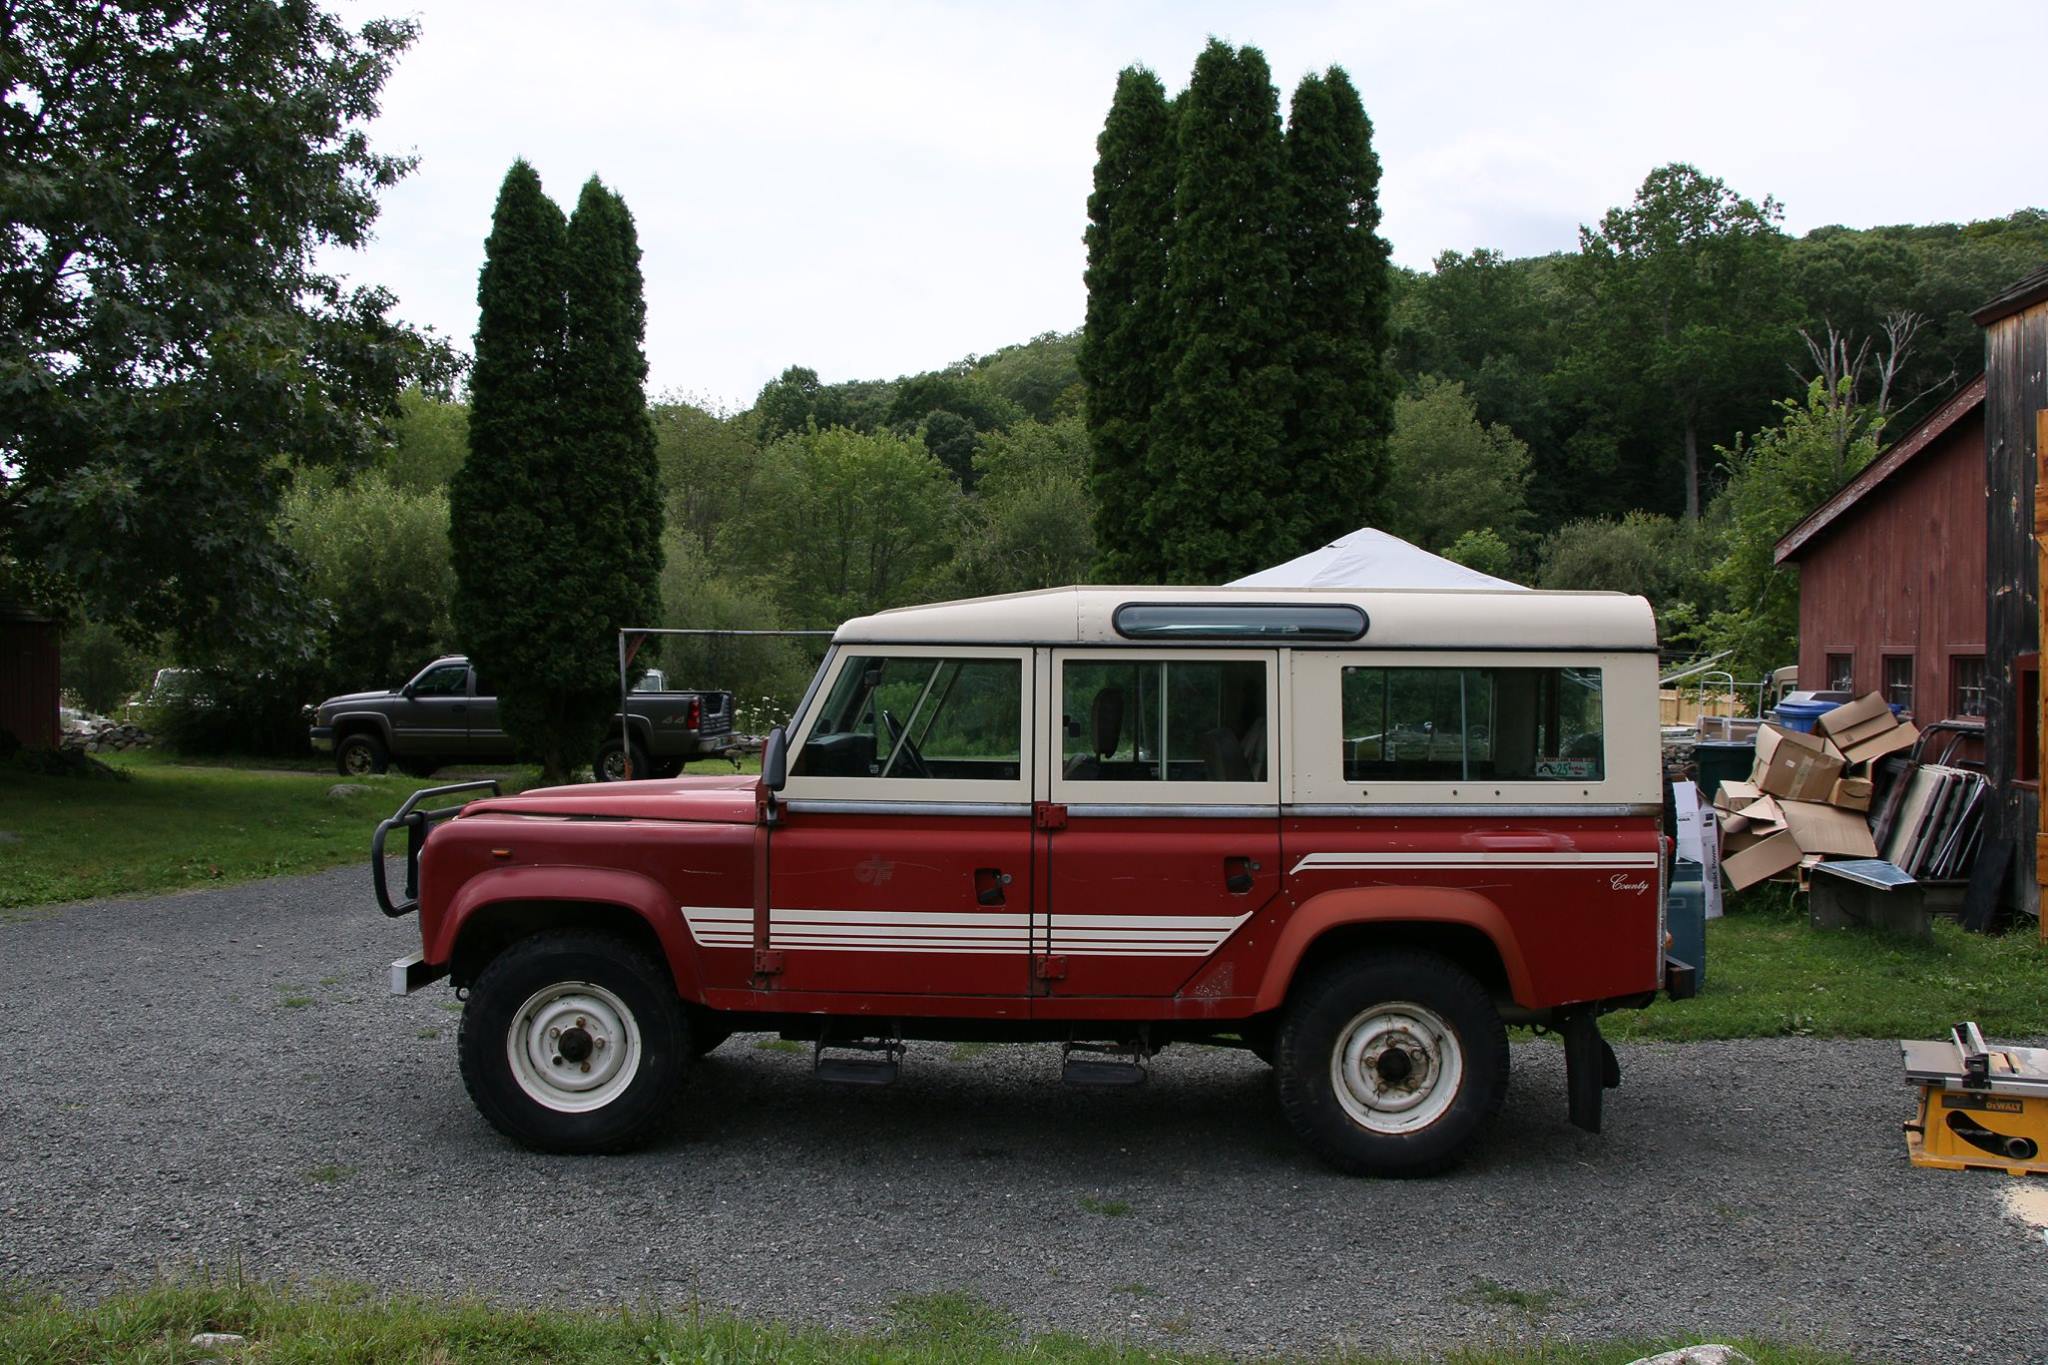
{"type": "Point", "coordinates": [449, 680]}
{"type": "Point", "coordinates": [1473, 724]}
{"type": "Point", "coordinates": [1157, 620]}
{"type": "Point", "coordinates": [1164, 721]}
{"type": "Point", "coordinates": [931, 718]}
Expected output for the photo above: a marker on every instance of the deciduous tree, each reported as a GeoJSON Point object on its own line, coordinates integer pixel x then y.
{"type": "Point", "coordinates": [1685, 309]}
{"type": "Point", "coordinates": [172, 180]}
{"type": "Point", "coordinates": [1451, 473]}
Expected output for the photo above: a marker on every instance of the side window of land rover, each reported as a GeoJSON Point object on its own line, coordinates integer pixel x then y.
{"type": "Point", "coordinates": [919, 717]}
{"type": "Point", "coordinates": [1472, 724]}
{"type": "Point", "coordinates": [1154, 720]}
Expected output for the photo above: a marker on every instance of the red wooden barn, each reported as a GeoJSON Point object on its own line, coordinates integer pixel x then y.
{"type": "Point", "coordinates": [28, 676]}
{"type": "Point", "coordinates": [1892, 571]}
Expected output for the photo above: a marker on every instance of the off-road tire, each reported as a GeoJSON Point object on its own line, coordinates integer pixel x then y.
{"type": "Point", "coordinates": [610, 752]}
{"type": "Point", "coordinates": [1353, 994]}
{"type": "Point", "coordinates": [364, 751]}
{"type": "Point", "coordinates": [521, 974]}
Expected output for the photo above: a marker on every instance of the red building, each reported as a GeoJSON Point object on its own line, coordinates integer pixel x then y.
{"type": "Point", "coordinates": [1892, 571]}
{"type": "Point", "coordinates": [28, 676]}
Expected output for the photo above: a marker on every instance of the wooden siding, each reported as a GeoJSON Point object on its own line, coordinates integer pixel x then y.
{"type": "Point", "coordinates": [2016, 389]}
{"type": "Point", "coordinates": [28, 682]}
{"type": "Point", "coordinates": [1902, 571]}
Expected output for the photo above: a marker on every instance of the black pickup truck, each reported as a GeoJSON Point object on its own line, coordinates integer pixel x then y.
{"type": "Point", "coordinates": [447, 715]}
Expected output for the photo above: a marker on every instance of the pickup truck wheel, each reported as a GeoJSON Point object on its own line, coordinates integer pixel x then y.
{"type": "Point", "coordinates": [611, 762]}
{"type": "Point", "coordinates": [360, 755]}
{"type": "Point", "coordinates": [574, 1042]}
{"type": "Point", "coordinates": [1391, 1064]}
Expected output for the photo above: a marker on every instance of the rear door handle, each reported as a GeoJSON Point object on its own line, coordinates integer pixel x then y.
{"type": "Point", "coordinates": [1237, 874]}
{"type": "Point", "coordinates": [988, 885]}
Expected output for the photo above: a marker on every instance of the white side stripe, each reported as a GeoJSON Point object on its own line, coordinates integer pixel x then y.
{"type": "Point", "coordinates": [1560, 861]}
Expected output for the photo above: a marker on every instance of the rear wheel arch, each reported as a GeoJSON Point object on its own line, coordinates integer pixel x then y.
{"type": "Point", "coordinates": [1461, 927]}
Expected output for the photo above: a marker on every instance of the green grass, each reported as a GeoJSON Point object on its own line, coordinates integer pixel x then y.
{"type": "Point", "coordinates": [1108, 1208]}
{"type": "Point", "coordinates": [352, 1323]}
{"type": "Point", "coordinates": [175, 825]}
{"type": "Point", "coordinates": [1770, 974]}
{"type": "Point", "coordinates": [1485, 1291]}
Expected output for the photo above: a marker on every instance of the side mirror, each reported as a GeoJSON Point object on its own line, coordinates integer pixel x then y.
{"type": "Point", "coordinates": [406, 692]}
{"type": "Point", "coordinates": [775, 759]}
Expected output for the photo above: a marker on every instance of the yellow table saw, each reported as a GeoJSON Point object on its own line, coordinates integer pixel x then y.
{"type": "Point", "coordinates": [1981, 1107]}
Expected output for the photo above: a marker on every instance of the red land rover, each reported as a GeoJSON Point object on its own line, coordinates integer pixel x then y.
{"type": "Point", "coordinates": [1358, 833]}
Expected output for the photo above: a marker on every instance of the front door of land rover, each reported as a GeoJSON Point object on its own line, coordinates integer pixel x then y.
{"type": "Point", "coordinates": [1166, 795]}
{"type": "Point", "coordinates": [900, 862]}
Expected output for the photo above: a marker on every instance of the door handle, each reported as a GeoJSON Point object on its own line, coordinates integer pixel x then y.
{"type": "Point", "coordinates": [1237, 874]}
{"type": "Point", "coordinates": [988, 885]}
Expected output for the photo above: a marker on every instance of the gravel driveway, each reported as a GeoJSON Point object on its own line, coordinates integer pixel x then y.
{"type": "Point", "coordinates": [219, 1075]}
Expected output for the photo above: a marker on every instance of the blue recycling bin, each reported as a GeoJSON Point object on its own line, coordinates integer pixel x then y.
{"type": "Point", "coordinates": [1800, 715]}
{"type": "Point", "coordinates": [1685, 916]}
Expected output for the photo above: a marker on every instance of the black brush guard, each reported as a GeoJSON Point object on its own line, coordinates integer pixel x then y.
{"type": "Point", "coordinates": [417, 824]}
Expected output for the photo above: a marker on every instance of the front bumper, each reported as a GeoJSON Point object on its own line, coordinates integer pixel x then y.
{"type": "Point", "coordinates": [411, 972]}
{"type": "Point", "coordinates": [322, 737]}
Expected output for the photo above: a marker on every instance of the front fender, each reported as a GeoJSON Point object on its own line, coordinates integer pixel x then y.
{"type": "Point", "coordinates": [640, 895]}
{"type": "Point", "coordinates": [1354, 905]}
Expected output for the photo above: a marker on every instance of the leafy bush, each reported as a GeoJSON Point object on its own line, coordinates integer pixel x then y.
{"type": "Point", "coordinates": [235, 711]}
{"type": "Point", "coordinates": [377, 555]}
{"type": "Point", "coordinates": [100, 667]}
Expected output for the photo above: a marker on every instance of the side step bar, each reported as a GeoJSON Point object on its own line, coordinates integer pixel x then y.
{"type": "Point", "coordinates": [1103, 1066]}
{"type": "Point", "coordinates": [867, 1061]}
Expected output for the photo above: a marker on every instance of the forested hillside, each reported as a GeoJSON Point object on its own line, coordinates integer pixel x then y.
{"type": "Point", "coordinates": [1535, 434]}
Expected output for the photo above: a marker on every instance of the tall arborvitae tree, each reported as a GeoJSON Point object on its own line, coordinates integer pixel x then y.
{"type": "Point", "coordinates": [503, 503]}
{"type": "Point", "coordinates": [1220, 493]}
{"type": "Point", "coordinates": [1338, 427]}
{"type": "Point", "coordinates": [1124, 343]}
{"type": "Point", "coordinates": [610, 480]}
{"type": "Point", "coordinates": [555, 515]}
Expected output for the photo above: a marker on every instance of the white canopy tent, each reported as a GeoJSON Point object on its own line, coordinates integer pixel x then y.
{"type": "Point", "coordinates": [1370, 559]}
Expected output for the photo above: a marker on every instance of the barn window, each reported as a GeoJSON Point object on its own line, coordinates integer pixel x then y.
{"type": "Point", "coordinates": [1966, 685]}
{"type": "Point", "coordinates": [1898, 680]}
{"type": "Point", "coordinates": [1841, 673]}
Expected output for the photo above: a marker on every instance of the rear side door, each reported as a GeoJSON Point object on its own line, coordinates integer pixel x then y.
{"type": "Point", "coordinates": [1164, 827]}
{"type": "Point", "coordinates": [485, 739]}
{"type": "Point", "coordinates": [434, 720]}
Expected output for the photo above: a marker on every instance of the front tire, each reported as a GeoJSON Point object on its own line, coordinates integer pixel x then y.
{"type": "Point", "coordinates": [361, 755]}
{"type": "Point", "coordinates": [574, 1042]}
{"type": "Point", "coordinates": [1391, 1064]}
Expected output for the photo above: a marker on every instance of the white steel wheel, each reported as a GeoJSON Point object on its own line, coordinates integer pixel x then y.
{"type": "Point", "coordinates": [1389, 1063]}
{"type": "Point", "coordinates": [1396, 1067]}
{"type": "Point", "coordinates": [573, 1047]}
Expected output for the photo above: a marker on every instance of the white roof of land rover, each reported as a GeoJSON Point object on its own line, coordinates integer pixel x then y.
{"type": "Point", "coordinates": [1397, 618]}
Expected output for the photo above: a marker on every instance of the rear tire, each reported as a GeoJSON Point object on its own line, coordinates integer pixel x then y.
{"type": "Point", "coordinates": [574, 1042]}
{"type": "Point", "coordinates": [1391, 1064]}
{"type": "Point", "coordinates": [361, 755]}
{"type": "Point", "coordinates": [611, 761]}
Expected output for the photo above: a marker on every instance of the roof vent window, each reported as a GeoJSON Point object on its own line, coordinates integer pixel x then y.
{"type": "Point", "coordinates": [1304, 622]}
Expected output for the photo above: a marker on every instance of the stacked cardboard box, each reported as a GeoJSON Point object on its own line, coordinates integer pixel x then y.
{"type": "Point", "coordinates": [1807, 797]}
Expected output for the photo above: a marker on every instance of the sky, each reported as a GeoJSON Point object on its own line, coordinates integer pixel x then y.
{"type": "Point", "coordinates": [876, 189]}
